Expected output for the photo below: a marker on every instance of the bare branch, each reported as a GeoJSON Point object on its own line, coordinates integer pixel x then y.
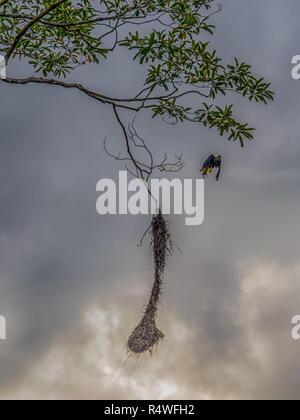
{"type": "Point", "coordinates": [145, 169]}
{"type": "Point", "coordinates": [93, 94]}
{"type": "Point", "coordinates": [140, 170]}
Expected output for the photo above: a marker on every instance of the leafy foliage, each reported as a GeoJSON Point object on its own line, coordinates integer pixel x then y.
{"type": "Point", "coordinates": [171, 42]}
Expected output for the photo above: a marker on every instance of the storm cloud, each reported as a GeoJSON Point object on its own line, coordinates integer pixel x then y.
{"type": "Point", "coordinates": [73, 283]}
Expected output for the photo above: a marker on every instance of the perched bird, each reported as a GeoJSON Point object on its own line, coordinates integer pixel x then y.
{"type": "Point", "coordinates": [212, 162]}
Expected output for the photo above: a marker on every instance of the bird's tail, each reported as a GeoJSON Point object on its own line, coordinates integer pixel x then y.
{"type": "Point", "coordinates": [218, 174]}
{"type": "Point", "coordinates": [206, 170]}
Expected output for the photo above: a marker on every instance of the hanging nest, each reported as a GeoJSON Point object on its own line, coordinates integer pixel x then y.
{"type": "Point", "coordinates": [146, 335]}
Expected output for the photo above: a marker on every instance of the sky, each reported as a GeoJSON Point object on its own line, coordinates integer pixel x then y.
{"type": "Point", "coordinates": [73, 283]}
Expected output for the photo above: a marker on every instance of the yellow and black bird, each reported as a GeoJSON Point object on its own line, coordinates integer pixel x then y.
{"type": "Point", "coordinates": [212, 162]}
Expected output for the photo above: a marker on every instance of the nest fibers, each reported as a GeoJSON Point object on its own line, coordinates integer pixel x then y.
{"type": "Point", "coordinates": [146, 335]}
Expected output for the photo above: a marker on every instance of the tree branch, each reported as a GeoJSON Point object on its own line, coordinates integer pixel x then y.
{"type": "Point", "coordinates": [29, 25]}
{"type": "Point", "coordinates": [94, 20]}
{"type": "Point", "coordinates": [91, 93]}
{"type": "Point", "coordinates": [133, 142]}
{"type": "Point", "coordinates": [134, 161]}
{"type": "Point", "coordinates": [3, 2]}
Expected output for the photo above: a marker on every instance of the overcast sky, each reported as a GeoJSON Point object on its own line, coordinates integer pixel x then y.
{"type": "Point", "coordinates": [73, 283]}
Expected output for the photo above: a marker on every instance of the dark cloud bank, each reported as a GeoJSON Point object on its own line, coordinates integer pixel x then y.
{"type": "Point", "coordinates": [72, 282]}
